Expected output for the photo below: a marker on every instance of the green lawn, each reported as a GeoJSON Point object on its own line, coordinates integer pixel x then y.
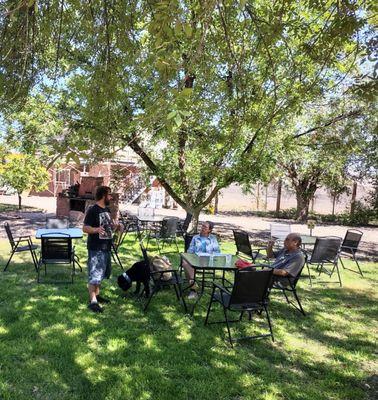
{"type": "Point", "coordinates": [13, 207]}
{"type": "Point", "coordinates": [52, 347]}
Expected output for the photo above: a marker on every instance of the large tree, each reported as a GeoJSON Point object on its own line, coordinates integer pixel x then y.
{"type": "Point", "coordinates": [200, 90]}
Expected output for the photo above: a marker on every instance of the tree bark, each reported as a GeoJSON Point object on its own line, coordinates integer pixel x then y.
{"type": "Point", "coordinates": [278, 201]}
{"type": "Point", "coordinates": [195, 219]}
{"type": "Point", "coordinates": [354, 195]}
{"type": "Point", "coordinates": [303, 203]}
{"type": "Point", "coordinates": [216, 200]}
{"type": "Point", "coordinates": [19, 201]}
{"type": "Point", "coordinates": [333, 204]}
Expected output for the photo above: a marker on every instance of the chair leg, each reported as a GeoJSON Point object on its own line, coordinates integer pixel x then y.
{"type": "Point", "coordinates": [358, 265]}
{"type": "Point", "coordinates": [338, 273]}
{"type": "Point", "coordinates": [298, 301]}
{"type": "Point", "coordinates": [182, 298]}
{"type": "Point", "coordinates": [34, 257]}
{"type": "Point", "coordinates": [342, 263]}
{"type": "Point", "coordinates": [209, 308]}
{"type": "Point", "coordinates": [228, 325]}
{"type": "Point", "coordinates": [176, 291]}
{"type": "Point", "coordinates": [153, 292]}
{"type": "Point", "coordinates": [10, 258]}
{"type": "Point", "coordinates": [309, 273]}
{"type": "Point", "coordinates": [270, 325]}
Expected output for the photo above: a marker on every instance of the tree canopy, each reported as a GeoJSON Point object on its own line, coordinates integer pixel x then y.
{"type": "Point", "coordinates": [202, 91]}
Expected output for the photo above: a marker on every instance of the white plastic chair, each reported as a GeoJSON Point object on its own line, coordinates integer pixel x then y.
{"type": "Point", "coordinates": [279, 231]}
{"type": "Point", "coordinates": [146, 212]}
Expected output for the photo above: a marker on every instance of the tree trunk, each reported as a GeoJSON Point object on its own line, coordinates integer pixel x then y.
{"type": "Point", "coordinates": [278, 201]}
{"type": "Point", "coordinates": [195, 219]}
{"type": "Point", "coordinates": [333, 204]}
{"type": "Point", "coordinates": [303, 203]}
{"type": "Point", "coordinates": [216, 200]}
{"type": "Point", "coordinates": [19, 201]}
{"type": "Point", "coordinates": [354, 195]}
{"type": "Point", "coordinates": [258, 197]}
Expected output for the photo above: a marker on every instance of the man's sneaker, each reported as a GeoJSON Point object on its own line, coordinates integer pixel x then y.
{"type": "Point", "coordinates": [101, 299]}
{"type": "Point", "coordinates": [95, 307]}
{"type": "Point", "coordinates": [192, 295]}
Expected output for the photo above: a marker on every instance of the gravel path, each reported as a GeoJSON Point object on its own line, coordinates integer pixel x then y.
{"type": "Point", "coordinates": [258, 227]}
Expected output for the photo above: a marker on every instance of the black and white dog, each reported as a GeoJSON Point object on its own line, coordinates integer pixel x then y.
{"type": "Point", "coordinates": [139, 273]}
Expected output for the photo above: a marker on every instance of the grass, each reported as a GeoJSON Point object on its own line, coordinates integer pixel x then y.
{"type": "Point", "coordinates": [13, 207]}
{"type": "Point", "coordinates": [52, 347]}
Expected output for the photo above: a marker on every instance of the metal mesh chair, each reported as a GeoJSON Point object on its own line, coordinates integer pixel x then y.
{"type": "Point", "coordinates": [326, 252]}
{"type": "Point", "coordinates": [166, 233]}
{"type": "Point", "coordinates": [243, 246]}
{"type": "Point", "coordinates": [289, 284]}
{"type": "Point", "coordinates": [158, 284]}
{"type": "Point", "coordinates": [56, 250]}
{"type": "Point", "coordinates": [19, 245]}
{"type": "Point", "coordinates": [349, 247]}
{"type": "Point", "coordinates": [249, 294]}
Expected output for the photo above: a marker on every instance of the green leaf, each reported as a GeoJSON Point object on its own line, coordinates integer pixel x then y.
{"type": "Point", "coordinates": [178, 120]}
{"type": "Point", "coordinates": [188, 30]}
{"type": "Point", "coordinates": [172, 114]}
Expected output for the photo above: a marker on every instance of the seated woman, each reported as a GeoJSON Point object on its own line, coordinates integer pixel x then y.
{"type": "Point", "coordinates": [202, 243]}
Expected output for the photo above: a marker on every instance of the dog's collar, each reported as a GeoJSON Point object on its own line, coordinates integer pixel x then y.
{"type": "Point", "coordinates": [126, 277]}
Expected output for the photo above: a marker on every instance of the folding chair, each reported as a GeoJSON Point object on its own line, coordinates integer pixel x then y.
{"type": "Point", "coordinates": [243, 246]}
{"type": "Point", "coordinates": [349, 247]}
{"type": "Point", "coordinates": [116, 243]}
{"type": "Point", "coordinates": [166, 233]}
{"type": "Point", "coordinates": [279, 231]}
{"type": "Point", "coordinates": [326, 252]}
{"type": "Point", "coordinates": [56, 249]}
{"type": "Point", "coordinates": [288, 284]}
{"type": "Point", "coordinates": [19, 245]}
{"type": "Point", "coordinates": [249, 294]}
{"type": "Point", "coordinates": [159, 284]}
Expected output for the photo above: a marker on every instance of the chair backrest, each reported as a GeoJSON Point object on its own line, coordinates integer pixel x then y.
{"type": "Point", "coordinates": [242, 242]}
{"type": "Point", "coordinates": [351, 240]}
{"type": "Point", "coordinates": [146, 212]}
{"type": "Point", "coordinates": [296, 279]}
{"type": "Point", "coordinates": [169, 227]}
{"type": "Point", "coordinates": [9, 234]}
{"type": "Point", "coordinates": [57, 223]}
{"type": "Point", "coordinates": [251, 286]}
{"type": "Point", "coordinates": [187, 240]}
{"type": "Point", "coordinates": [326, 250]}
{"type": "Point", "coordinates": [56, 248]}
{"type": "Point", "coordinates": [280, 231]}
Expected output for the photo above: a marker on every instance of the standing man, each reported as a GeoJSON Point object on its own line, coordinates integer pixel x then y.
{"type": "Point", "coordinates": [98, 225]}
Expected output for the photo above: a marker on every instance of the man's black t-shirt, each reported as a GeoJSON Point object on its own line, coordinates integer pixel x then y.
{"type": "Point", "coordinates": [97, 216]}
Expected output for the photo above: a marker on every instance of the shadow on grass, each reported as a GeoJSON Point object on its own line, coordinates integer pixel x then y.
{"type": "Point", "coordinates": [53, 348]}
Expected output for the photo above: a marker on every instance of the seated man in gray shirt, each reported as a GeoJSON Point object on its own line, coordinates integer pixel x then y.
{"type": "Point", "coordinates": [288, 261]}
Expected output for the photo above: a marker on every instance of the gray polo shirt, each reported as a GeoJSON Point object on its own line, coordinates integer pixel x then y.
{"type": "Point", "coordinates": [291, 262]}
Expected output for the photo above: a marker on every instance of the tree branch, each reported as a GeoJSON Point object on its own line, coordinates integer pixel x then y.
{"type": "Point", "coordinates": [355, 113]}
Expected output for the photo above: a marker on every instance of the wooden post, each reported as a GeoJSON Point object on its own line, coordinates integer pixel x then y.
{"type": "Point", "coordinates": [278, 201]}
